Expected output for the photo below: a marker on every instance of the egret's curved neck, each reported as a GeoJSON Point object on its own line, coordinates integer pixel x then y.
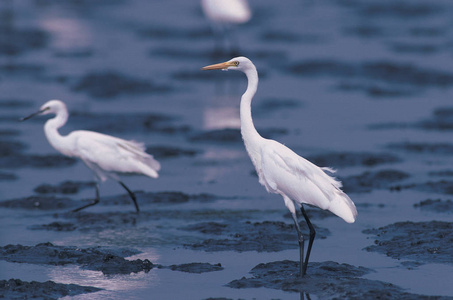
{"type": "Point", "coordinates": [51, 129]}
{"type": "Point", "coordinates": [248, 130]}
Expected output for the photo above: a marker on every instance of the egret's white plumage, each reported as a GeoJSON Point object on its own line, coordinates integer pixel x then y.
{"type": "Point", "coordinates": [281, 171]}
{"type": "Point", "coordinates": [223, 14]}
{"type": "Point", "coordinates": [226, 11]}
{"type": "Point", "coordinates": [105, 155]}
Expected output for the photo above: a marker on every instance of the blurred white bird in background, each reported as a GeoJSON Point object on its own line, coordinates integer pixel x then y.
{"type": "Point", "coordinates": [105, 155]}
{"type": "Point", "coordinates": [281, 171]}
{"type": "Point", "coordinates": [224, 14]}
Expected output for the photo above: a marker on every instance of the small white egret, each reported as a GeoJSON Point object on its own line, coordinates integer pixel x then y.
{"type": "Point", "coordinates": [105, 155]}
{"type": "Point", "coordinates": [281, 171]}
{"type": "Point", "coordinates": [222, 14]}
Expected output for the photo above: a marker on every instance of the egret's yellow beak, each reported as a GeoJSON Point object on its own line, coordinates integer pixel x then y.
{"type": "Point", "coordinates": [221, 66]}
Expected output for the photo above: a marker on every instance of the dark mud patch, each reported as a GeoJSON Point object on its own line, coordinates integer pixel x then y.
{"type": "Point", "coordinates": [36, 161]}
{"type": "Point", "coordinates": [271, 105]}
{"type": "Point", "coordinates": [163, 32]}
{"type": "Point", "coordinates": [392, 73]}
{"type": "Point", "coordinates": [8, 148]}
{"type": "Point", "coordinates": [230, 135]}
{"type": "Point", "coordinates": [66, 187]}
{"type": "Point", "coordinates": [7, 176]}
{"type": "Point", "coordinates": [375, 90]}
{"type": "Point", "coordinates": [428, 242]}
{"type": "Point", "coordinates": [111, 84]}
{"type": "Point", "coordinates": [351, 159]}
{"type": "Point", "coordinates": [54, 226]}
{"type": "Point", "coordinates": [368, 31]}
{"type": "Point", "coordinates": [326, 280]}
{"type": "Point", "coordinates": [368, 181]}
{"type": "Point", "coordinates": [180, 53]}
{"type": "Point", "coordinates": [125, 123]}
{"type": "Point", "coordinates": [438, 187]}
{"type": "Point", "coordinates": [402, 9]}
{"type": "Point", "coordinates": [9, 133]}
{"type": "Point", "coordinates": [436, 205]}
{"type": "Point", "coordinates": [171, 152]}
{"type": "Point", "coordinates": [108, 261]}
{"type": "Point", "coordinates": [159, 197]}
{"type": "Point", "coordinates": [415, 48]}
{"type": "Point", "coordinates": [441, 119]}
{"type": "Point", "coordinates": [39, 202]}
{"type": "Point", "coordinates": [12, 103]}
{"type": "Point", "coordinates": [197, 268]}
{"type": "Point", "coordinates": [441, 173]}
{"type": "Point", "coordinates": [264, 236]}
{"type": "Point", "coordinates": [18, 289]}
{"type": "Point", "coordinates": [206, 75]}
{"type": "Point", "coordinates": [278, 36]}
{"type": "Point", "coordinates": [86, 221]}
{"type": "Point", "coordinates": [313, 214]}
{"type": "Point", "coordinates": [27, 70]}
{"type": "Point", "coordinates": [422, 148]}
{"type": "Point", "coordinates": [15, 41]}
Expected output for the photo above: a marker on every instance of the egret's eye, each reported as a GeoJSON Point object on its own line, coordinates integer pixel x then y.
{"type": "Point", "coordinates": [236, 63]}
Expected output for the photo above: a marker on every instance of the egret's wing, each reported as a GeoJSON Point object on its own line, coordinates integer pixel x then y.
{"type": "Point", "coordinates": [113, 154]}
{"type": "Point", "coordinates": [304, 182]}
{"type": "Point", "coordinates": [281, 167]}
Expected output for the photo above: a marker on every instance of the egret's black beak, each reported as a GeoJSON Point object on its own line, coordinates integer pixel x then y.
{"type": "Point", "coordinates": [32, 115]}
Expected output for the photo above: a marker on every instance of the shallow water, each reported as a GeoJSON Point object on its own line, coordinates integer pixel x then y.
{"type": "Point", "coordinates": [361, 86]}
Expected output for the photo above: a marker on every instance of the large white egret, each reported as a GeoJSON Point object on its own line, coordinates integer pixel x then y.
{"type": "Point", "coordinates": [223, 14]}
{"type": "Point", "coordinates": [105, 155]}
{"type": "Point", "coordinates": [281, 171]}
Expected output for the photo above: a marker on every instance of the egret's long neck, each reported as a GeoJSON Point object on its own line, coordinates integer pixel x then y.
{"type": "Point", "coordinates": [51, 130]}
{"type": "Point", "coordinates": [248, 131]}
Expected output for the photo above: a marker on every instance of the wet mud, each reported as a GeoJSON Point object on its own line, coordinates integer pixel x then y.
{"type": "Point", "coordinates": [65, 187]}
{"type": "Point", "coordinates": [172, 152]}
{"type": "Point", "coordinates": [231, 135]}
{"type": "Point", "coordinates": [369, 181]}
{"type": "Point", "coordinates": [248, 236]}
{"type": "Point", "coordinates": [18, 289]}
{"type": "Point", "coordinates": [113, 123]}
{"type": "Point", "coordinates": [197, 268]}
{"type": "Point", "coordinates": [39, 203]}
{"type": "Point", "coordinates": [7, 176]}
{"type": "Point", "coordinates": [108, 261]}
{"type": "Point", "coordinates": [50, 202]}
{"type": "Point", "coordinates": [14, 41]}
{"type": "Point", "coordinates": [432, 148]}
{"type": "Point", "coordinates": [54, 226]}
{"type": "Point", "coordinates": [438, 187]}
{"type": "Point", "coordinates": [428, 242]}
{"type": "Point", "coordinates": [376, 56]}
{"type": "Point", "coordinates": [19, 160]}
{"type": "Point", "coordinates": [436, 205]}
{"type": "Point", "coordinates": [350, 159]}
{"type": "Point", "coordinates": [441, 119]}
{"type": "Point", "coordinates": [395, 73]}
{"type": "Point", "coordinates": [111, 84]}
{"type": "Point", "coordinates": [326, 280]}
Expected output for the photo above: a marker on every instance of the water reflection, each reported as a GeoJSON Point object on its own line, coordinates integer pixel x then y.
{"type": "Point", "coordinates": [121, 282]}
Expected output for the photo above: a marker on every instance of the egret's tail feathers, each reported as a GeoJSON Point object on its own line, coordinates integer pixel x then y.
{"type": "Point", "coordinates": [144, 162]}
{"type": "Point", "coordinates": [343, 207]}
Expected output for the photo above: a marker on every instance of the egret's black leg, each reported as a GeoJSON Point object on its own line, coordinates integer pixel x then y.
{"type": "Point", "coordinates": [96, 200]}
{"type": "Point", "coordinates": [300, 239]}
{"type": "Point", "coordinates": [131, 194]}
{"type": "Point", "coordinates": [312, 238]}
